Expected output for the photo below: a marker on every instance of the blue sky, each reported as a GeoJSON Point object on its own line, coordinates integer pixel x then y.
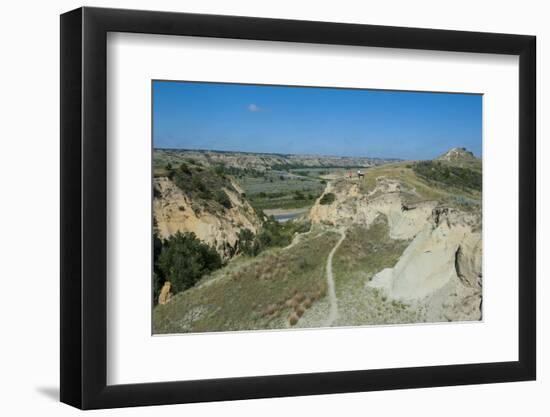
{"type": "Point", "coordinates": [323, 121]}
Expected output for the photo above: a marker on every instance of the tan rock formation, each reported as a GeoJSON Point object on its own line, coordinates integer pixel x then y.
{"type": "Point", "coordinates": [441, 269]}
{"type": "Point", "coordinates": [350, 207]}
{"type": "Point", "coordinates": [165, 295]}
{"type": "Point", "coordinates": [173, 211]}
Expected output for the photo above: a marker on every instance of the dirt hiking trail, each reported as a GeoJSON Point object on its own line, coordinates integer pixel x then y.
{"type": "Point", "coordinates": [333, 312]}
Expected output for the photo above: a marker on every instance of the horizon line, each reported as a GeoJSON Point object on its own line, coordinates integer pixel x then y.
{"type": "Point", "coordinates": [276, 153]}
{"type": "Point", "coordinates": [306, 154]}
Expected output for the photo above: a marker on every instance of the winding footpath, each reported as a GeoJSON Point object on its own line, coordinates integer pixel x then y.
{"type": "Point", "coordinates": [333, 312]}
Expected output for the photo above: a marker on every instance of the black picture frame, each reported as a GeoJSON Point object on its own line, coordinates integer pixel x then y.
{"type": "Point", "coordinates": [84, 207]}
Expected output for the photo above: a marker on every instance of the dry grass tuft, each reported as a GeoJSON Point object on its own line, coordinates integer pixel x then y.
{"type": "Point", "coordinates": [299, 310]}
{"type": "Point", "coordinates": [291, 302]}
{"type": "Point", "coordinates": [299, 297]}
{"type": "Point", "coordinates": [271, 309]}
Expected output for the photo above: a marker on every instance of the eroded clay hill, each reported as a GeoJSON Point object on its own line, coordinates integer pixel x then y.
{"type": "Point", "coordinates": [439, 273]}
{"type": "Point", "coordinates": [216, 225]}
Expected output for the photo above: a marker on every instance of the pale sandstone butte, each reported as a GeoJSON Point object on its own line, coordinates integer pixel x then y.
{"type": "Point", "coordinates": [441, 269]}
{"type": "Point", "coordinates": [174, 212]}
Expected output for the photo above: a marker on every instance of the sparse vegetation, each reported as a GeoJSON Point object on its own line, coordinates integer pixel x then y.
{"type": "Point", "coordinates": [449, 175]}
{"type": "Point", "coordinates": [362, 254]}
{"type": "Point", "coordinates": [200, 184]}
{"type": "Point", "coordinates": [222, 198]}
{"type": "Point", "coordinates": [260, 292]}
{"type": "Point", "coordinates": [368, 250]}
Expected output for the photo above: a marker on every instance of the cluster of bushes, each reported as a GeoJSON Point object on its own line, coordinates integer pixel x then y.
{"type": "Point", "coordinates": [276, 194]}
{"type": "Point", "coordinates": [222, 198]}
{"type": "Point", "coordinates": [448, 174]}
{"type": "Point", "coordinates": [202, 183]}
{"type": "Point", "coordinates": [247, 243]}
{"type": "Point", "coordinates": [272, 234]}
{"type": "Point", "coordinates": [287, 167]}
{"type": "Point", "coordinates": [328, 198]}
{"type": "Point", "coordinates": [240, 172]}
{"type": "Point", "coordinates": [297, 195]}
{"type": "Point", "coordinates": [183, 260]}
{"type": "Point", "coordinates": [301, 166]}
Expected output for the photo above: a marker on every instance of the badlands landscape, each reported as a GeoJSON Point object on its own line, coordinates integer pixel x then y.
{"type": "Point", "coordinates": [246, 241]}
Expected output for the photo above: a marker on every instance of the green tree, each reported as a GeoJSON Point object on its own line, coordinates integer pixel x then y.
{"type": "Point", "coordinates": [184, 260]}
{"type": "Point", "coordinates": [246, 242]}
{"type": "Point", "coordinates": [328, 198]}
{"type": "Point", "coordinates": [158, 277]}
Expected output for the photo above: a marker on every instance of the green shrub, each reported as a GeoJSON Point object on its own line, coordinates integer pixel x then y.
{"type": "Point", "coordinates": [221, 197]}
{"type": "Point", "coordinates": [185, 168]}
{"type": "Point", "coordinates": [220, 170]}
{"type": "Point", "coordinates": [156, 192]}
{"type": "Point", "coordinates": [272, 234]}
{"type": "Point", "coordinates": [246, 242]}
{"type": "Point", "coordinates": [328, 198]}
{"type": "Point", "coordinates": [298, 195]}
{"type": "Point", "coordinates": [158, 276]}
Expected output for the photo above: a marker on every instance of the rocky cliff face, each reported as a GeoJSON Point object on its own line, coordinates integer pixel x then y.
{"type": "Point", "coordinates": [352, 207]}
{"type": "Point", "coordinates": [457, 154]}
{"type": "Point", "coordinates": [440, 271]}
{"type": "Point", "coordinates": [174, 211]}
{"type": "Point", "coordinates": [441, 268]}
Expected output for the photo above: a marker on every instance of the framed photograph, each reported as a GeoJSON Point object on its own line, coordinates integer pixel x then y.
{"type": "Point", "coordinates": [257, 208]}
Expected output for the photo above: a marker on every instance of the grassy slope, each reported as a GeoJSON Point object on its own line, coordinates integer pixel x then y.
{"type": "Point", "coordinates": [423, 190]}
{"type": "Point", "coordinates": [251, 293]}
{"type": "Point", "coordinates": [473, 164]}
{"type": "Point", "coordinates": [362, 254]}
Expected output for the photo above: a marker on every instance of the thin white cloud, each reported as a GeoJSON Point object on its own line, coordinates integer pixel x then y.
{"type": "Point", "coordinates": [254, 108]}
